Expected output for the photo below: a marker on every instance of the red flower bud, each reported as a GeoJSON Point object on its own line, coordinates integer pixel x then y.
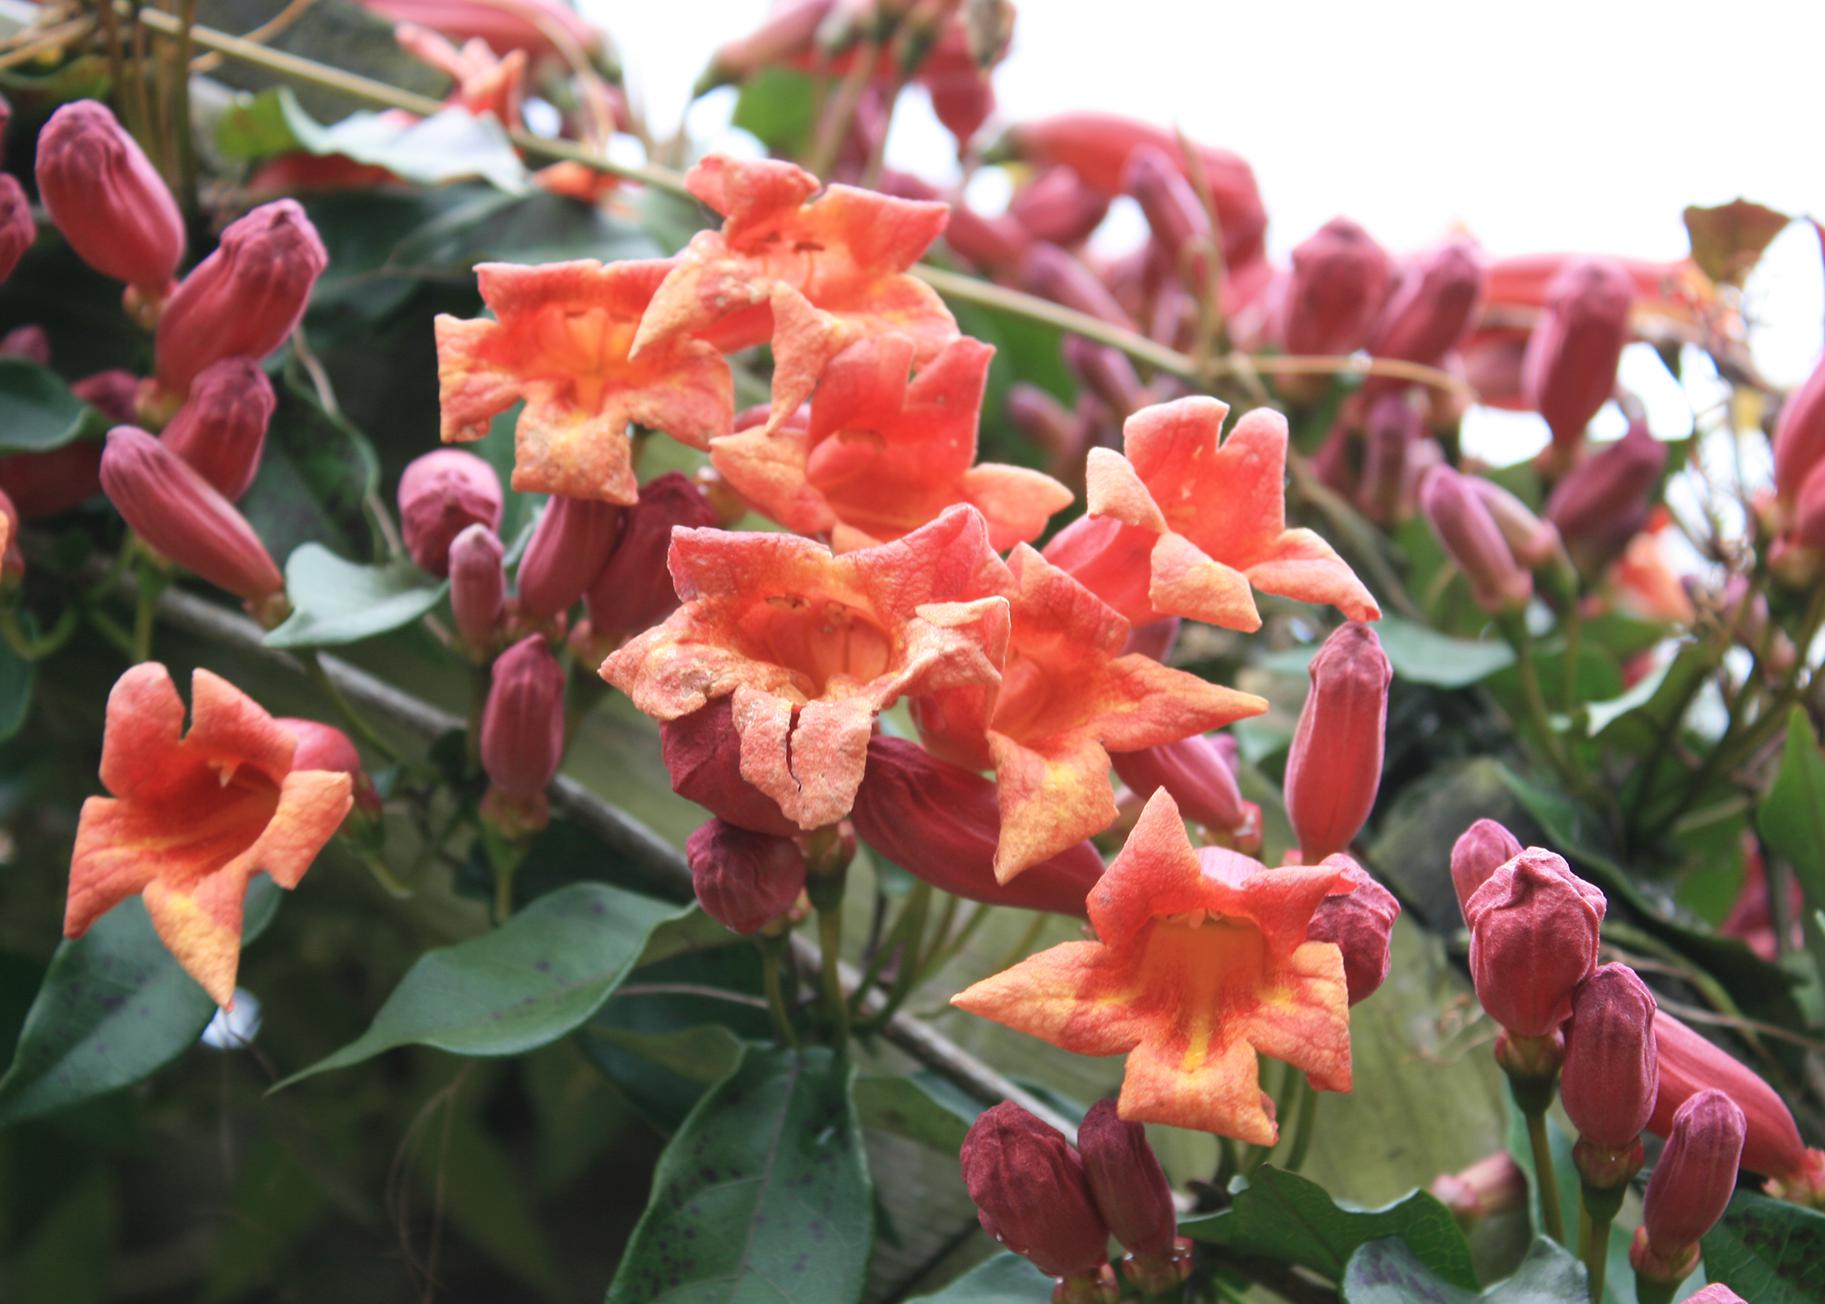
{"type": "Point", "coordinates": [1715, 1294]}
{"type": "Point", "coordinates": [1493, 357]}
{"type": "Point", "coordinates": [1611, 1072]}
{"type": "Point", "coordinates": [1107, 373]}
{"type": "Point", "coordinates": [1361, 925]}
{"type": "Point", "coordinates": [1602, 502]}
{"type": "Point", "coordinates": [1058, 208]}
{"type": "Point", "coordinates": [245, 298]}
{"type": "Point", "coordinates": [744, 880]}
{"type": "Point", "coordinates": [50, 483]}
{"type": "Point", "coordinates": [1031, 1192]}
{"type": "Point", "coordinates": [1533, 939]}
{"type": "Point", "coordinates": [1126, 1180]}
{"type": "Point", "coordinates": [441, 494]}
{"type": "Point", "coordinates": [568, 550]}
{"type": "Point", "coordinates": [1799, 436]}
{"type": "Point", "coordinates": [1492, 1185]}
{"type": "Point", "coordinates": [1480, 850]}
{"type": "Point", "coordinates": [1393, 425]}
{"type": "Point", "coordinates": [114, 394]}
{"type": "Point", "coordinates": [1051, 273]}
{"type": "Point", "coordinates": [221, 429]}
{"type": "Point", "coordinates": [523, 724]}
{"type": "Point", "coordinates": [1433, 305]}
{"type": "Point", "coordinates": [108, 200]}
{"type": "Point", "coordinates": [27, 342]}
{"type": "Point", "coordinates": [1334, 766]}
{"type": "Point", "coordinates": [702, 753]}
{"type": "Point", "coordinates": [1198, 775]}
{"type": "Point", "coordinates": [478, 586]}
{"type": "Point", "coordinates": [1534, 542]}
{"type": "Point", "coordinates": [1462, 521]}
{"type": "Point", "coordinates": [182, 518]}
{"type": "Point", "coordinates": [991, 243]}
{"type": "Point", "coordinates": [325, 747]}
{"type": "Point", "coordinates": [632, 591]}
{"type": "Point", "coordinates": [1062, 435]}
{"type": "Point", "coordinates": [941, 823]}
{"type": "Point", "coordinates": [1340, 277]}
{"type": "Point", "coordinates": [18, 229]}
{"type": "Point", "coordinates": [1690, 1064]}
{"type": "Point", "coordinates": [12, 560]}
{"type": "Point", "coordinates": [1570, 368]}
{"type": "Point", "coordinates": [1695, 1177]}
{"type": "Point", "coordinates": [1173, 210]}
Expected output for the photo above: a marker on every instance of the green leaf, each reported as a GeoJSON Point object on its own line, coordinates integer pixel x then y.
{"type": "Point", "coordinates": [1792, 815]}
{"type": "Point", "coordinates": [114, 1008]}
{"type": "Point", "coordinates": [71, 1249]}
{"type": "Point", "coordinates": [763, 1196]}
{"type": "Point", "coordinates": [316, 473]}
{"type": "Point", "coordinates": [1284, 1217]}
{"type": "Point", "coordinates": [1424, 656]}
{"type": "Point", "coordinates": [779, 107]}
{"type": "Point", "coordinates": [37, 410]}
{"type": "Point", "coordinates": [527, 983]}
{"type": "Point", "coordinates": [921, 1107]}
{"type": "Point", "coordinates": [336, 601]}
{"type": "Point", "coordinates": [1769, 1251]}
{"type": "Point", "coordinates": [17, 678]}
{"type": "Point", "coordinates": [1387, 1272]}
{"type": "Point", "coordinates": [1005, 1279]}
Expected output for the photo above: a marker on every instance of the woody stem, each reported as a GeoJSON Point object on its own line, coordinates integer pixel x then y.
{"type": "Point", "coordinates": [1544, 1181]}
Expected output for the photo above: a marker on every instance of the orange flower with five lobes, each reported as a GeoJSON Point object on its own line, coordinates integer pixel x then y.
{"type": "Point", "coordinates": [1200, 962]}
{"type": "Point", "coordinates": [195, 815]}
{"type": "Point", "coordinates": [1185, 523]}
{"type": "Point", "coordinates": [1067, 697]}
{"type": "Point", "coordinates": [809, 646]}
{"type": "Point", "coordinates": [561, 339]}
{"type": "Point", "coordinates": [884, 454]}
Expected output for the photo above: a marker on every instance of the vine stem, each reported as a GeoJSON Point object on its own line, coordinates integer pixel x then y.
{"type": "Point", "coordinates": [772, 957]}
{"type": "Point", "coordinates": [1594, 1233]}
{"type": "Point", "coordinates": [1544, 1180]}
{"type": "Point", "coordinates": [829, 940]}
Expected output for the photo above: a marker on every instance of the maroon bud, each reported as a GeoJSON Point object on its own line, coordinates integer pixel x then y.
{"type": "Point", "coordinates": [1433, 305]}
{"type": "Point", "coordinates": [1534, 542]}
{"type": "Point", "coordinates": [245, 298]}
{"type": "Point", "coordinates": [1340, 277]}
{"type": "Point", "coordinates": [1462, 521]}
{"type": "Point", "coordinates": [1799, 436]}
{"type": "Point", "coordinates": [568, 550]}
{"type": "Point", "coordinates": [12, 560]}
{"type": "Point", "coordinates": [1494, 1184]}
{"type": "Point", "coordinates": [1809, 511]}
{"type": "Point", "coordinates": [108, 200]}
{"type": "Point", "coordinates": [1533, 939]}
{"type": "Point", "coordinates": [1601, 503]}
{"type": "Point", "coordinates": [1058, 208]}
{"type": "Point", "coordinates": [1334, 766]}
{"type": "Point", "coordinates": [744, 880]}
{"type": "Point", "coordinates": [632, 591]}
{"type": "Point", "coordinates": [1126, 1180]}
{"type": "Point", "coordinates": [1154, 640]}
{"type": "Point", "coordinates": [27, 342]}
{"type": "Point", "coordinates": [18, 229]}
{"type": "Point", "coordinates": [182, 517]}
{"type": "Point", "coordinates": [221, 429]}
{"type": "Point", "coordinates": [51, 483]}
{"type": "Point", "coordinates": [325, 747]}
{"type": "Point", "coordinates": [702, 753]}
{"type": "Point", "coordinates": [1051, 273]}
{"type": "Point", "coordinates": [1031, 1192]}
{"type": "Point", "coordinates": [522, 740]}
{"type": "Point", "coordinates": [1107, 373]}
{"type": "Point", "coordinates": [478, 587]}
{"type": "Point", "coordinates": [114, 394]}
{"type": "Point", "coordinates": [1570, 367]}
{"type": "Point", "coordinates": [1059, 433]}
{"type": "Point", "coordinates": [1198, 776]}
{"type": "Point", "coordinates": [1361, 925]}
{"type": "Point", "coordinates": [1173, 210]}
{"type": "Point", "coordinates": [1611, 1071]}
{"type": "Point", "coordinates": [1393, 425]}
{"type": "Point", "coordinates": [1691, 1185]}
{"type": "Point", "coordinates": [1480, 850]}
{"type": "Point", "coordinates": [441, 494]}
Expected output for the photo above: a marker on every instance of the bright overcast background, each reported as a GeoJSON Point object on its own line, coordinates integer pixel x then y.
{"type": "Point", "coordinates": [1584, 126]}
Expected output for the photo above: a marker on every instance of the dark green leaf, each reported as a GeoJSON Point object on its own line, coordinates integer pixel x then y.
{"type": "Point", "coordinates": [1387, 1272]}
{"type": "Point", "coordinates": [1424, 656]}
{"type": "Point", "coordinates": [921, 1107]}
{"type": "Point", "coordinates": [316, 473]}
{"type": "Point", "coordinates": [17, 677]}
{"type": "Point", "coordinates": [1792, 816]}
{"type": "Point", "coordinates": [114, 1008]}
{"type": "Point", "coordinates": [37, 410]}
{"type": "Point", "coordinates": [71, 1250]}
{"type": "Point", "coordinates": [779, 107]}
{"type": "Point", "coordinates": [1005, 1279]}
{"type": "Point", "coordinates": [527, 983]}
{"type": "Point", "coordinates": [1768, 1251]}
{"type": "Point", "coordinates": [1284, 1217]}
{"type": "Point", "coordinates": [336, 601]}
{"type": "Point", "coordinates": [763, 1197]}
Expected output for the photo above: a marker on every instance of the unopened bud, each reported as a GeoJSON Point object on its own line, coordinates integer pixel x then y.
{"type": "Point", "coordinates": [1359, 923]}
{"type": "Point", "coordinates": [1570, 367]}
{"type": "Point", "coordinates": [1031, 1192]}
{"type": "Point", "coordinates": [1058, 208]}
{"type": "Point", "coordinates": [18, 229]}
{"type": "Point", "coordinates": [1533, 938]}
{"type": "Point", "coordinates": [1689, 1064]}
{"type": "Point", "coordinates": [1602, 502]}
{"type": "Point", "coordinates": [1691, 1185]}
{"type": "Point", "coordinates": [114, 394]}
{"type": "Point", "coordinates": [1799, 436]}
{"type": "Point", "coordinates": [1479, 851]}
{"type": "Point", "coordinates": [108, 200]}
{"type": "Point", "coordinates": [441, 494]}
{"type": "Point", "coordinates": [51, 483]}
{"type": "Point", "coordinates": [1054, 274]}
{"type": "Point", "coordinates": [1433, 305]}
{"type": "Point", "coordinates": [1716, 1293]}
{"type": "Point", "coordinates": [1393, 425]}
{"type": "Point", "coordinates": [1494, 1184]}
{"type": "Point", "coordinates": [568, 549]}
{"type": "Point", "coordinates": [1107, 373]}
{"type": "Point", "coordinates": [28, 342]}
{"type": "Point", "coordinates": [221, 429]}
{"type": "Point", "coordinates": [1462, 521]}
{"type": "Point", "coordinates": [478, 587]}
{"type": "Point", "coordinates": [325, 747]}
{"type": "Point", "coordinates": [12, 560]}
{"type": "Point", "coordinates": [1334, 766]}
{"type": "Point", "coordinates": [1533, 542]}
{"type": "Point", "coordinates": [744, 880]}
{"type": "Point", "coordinates": [1340, 277]}
{"type": "Point", "coordinates": [1611, 1072]}
{"type": "Point", "coordinates": [1198, 774]}
{"type": "Point", "coordinates": [632, 591]}
{"type": "Point", "coordinates": [1173, 210]}
{"type": "Point", "coordinates": [702, 754]}
{"type": "Point", "coordinates": [522, 740]}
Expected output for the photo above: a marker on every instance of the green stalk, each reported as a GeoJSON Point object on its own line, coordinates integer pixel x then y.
{"type": "Point", "coordinates": [1544, 1180]}
{"type": "Point", "coordinates": [772, 957]}
{"type": "Point", "coordinates": [830, 942]}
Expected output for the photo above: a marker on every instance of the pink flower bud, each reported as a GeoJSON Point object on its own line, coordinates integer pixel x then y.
{"type": "Point", "coordinates": [1155, 639]}
{"type": "Point", "coordinates": [991, 243]}
{"type": "Point", "coordinates": [1340, 277]}
{"type": "Point", "coordinates": [1690, 1064]}
{"type": "Point", "coordinates": [325, 747]}
{"type": "Point", "coordinates": [1533, 939]}
{"type": "Point", "coordinates": [1534, 542]}
{"type": "Point", "coordinates": [1107, 373]}
{"type": "Point", "coordinates": [1198, 775]}
{"type": "Point", "coordinates": [1493, 357]}
{"type": "Point", "coordinates": [523, 723]}
{"type": "Point", "coordinates": [568, 549]}
{"type": "Point", "coordinates": [940, 822]}
{"type": "Point", "coordinates": [221, 429]}
{"type": "Point", "coordinates": [1433, 305]}
{"type": "Point", "coordinates": [18, 229]}
{"type": "Point", "coordinates": [1062, 435]}
{"type": "Point", "coordinates": [1610, 1072]}
{"type": "Point", "coordinates": [245, 298]}
{"type": "Point", "coordinates": [181, 516]}
{"type": "Point", "coordinates": [1393, 425]}
{"type": "Point", "coordinates": [702, 753]}
{"type": "Point", "coordinates": [108, 200]}
{"type": "Point", "coordinates": [27, 342]}
{"type": "Point", "coordinates": [1492, 1185]}
{"type": "Point", "coordinates": [12, 560]}
{"type": "Point", "coordinates": [1361, 925]}
{"type": "Point", "coordinates": [1809, 510]}
{"type": "Point", "coordinates": [1051, 273]}
{"type": "Point", "coordinates": [441, 494]}
{"type": "Point", "coordinates": [1173, 210]}
{"type": "Point", "coordinates": [1334, 766]}
{"type": "Point", "coordinates": [1602, 502]}
{"type": "Point", "coordinates": [1695, 1177]}
{"type": "Point", "coordinates": [632, 591]}
{"type": "Point", "coordinates": [1715, 1294]}
{"type": "Point", "coordinates": [1058, 208]}
{"type": "Point", "coordinates": [1126, 1180]}
{"type": "Point", "coordinates": [49, 484]}
{"type": "Point", "coordinates": [1461, 520]}
{"type": "Point", "coordinates": [114, 394]}
{"type": "Point", "coordinates": [478, 587]}
{"type": "Point", "coordinates": [1479, 851]}
{"type": "Point", "coordinates": [744, 880]}
{"type": "Point", "coordinates": [1570, 368]}
{"type": "Point", "coordinates": [1031, 1192]}
{"type": "Point", "coordinates": [1799, 436]}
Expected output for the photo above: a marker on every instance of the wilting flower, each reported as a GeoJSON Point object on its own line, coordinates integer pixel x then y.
{"type": "Point", "coordinates": [18, 229]}
{"type": "Point", "coordinates": [522, 740]}
{"type": "Point", "coordinates": [883, 456]}
{"type": "Point", "coordinates": [1360, 922]}
{"type": "Point", "coordinates": [632, 591]}
{"type": "Point", "coordinates": [1533, 938]}
{"type": "Point", "coordinates": [194, 816]}
{"type": "Point", "coordinates": [1182, 526]}
{"type": "Point", "coordinates": [1480, 850]}
{"type": "Point", "coordinates": [441, 494]}
{"type": "Point", "coordinates": [810, 275]}
{"type": "Point", "coordinates": [1068, 696]}
{"type": "Point", "coordinates": [1570, 367]}
{"type": "Point", "coordinates": [810, 646]}
{"type": "Point", "coordinates": [560, 340]}
{"type": "Point", "coordinates": [221, 428]}
{"type": "Point", "coordinates": [1334, 766]}
{"type": "Point", "coordinates": [1201, 961]}
{"type": "Point", "coordinates": [1031, 1193]}
{"type": "Point", "coordinates": [1611, 1071]}
{"type": "Point", "coordinates": [1691, 1186]}
{"type": "Point", "coordinates": [1340, 277]}
{"type": "Point", "coordinates": [744, 880]}
{"type": "Point", "coordinates": [569, 547]}
{"type": "Point", "coordinates": [108, 200]}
